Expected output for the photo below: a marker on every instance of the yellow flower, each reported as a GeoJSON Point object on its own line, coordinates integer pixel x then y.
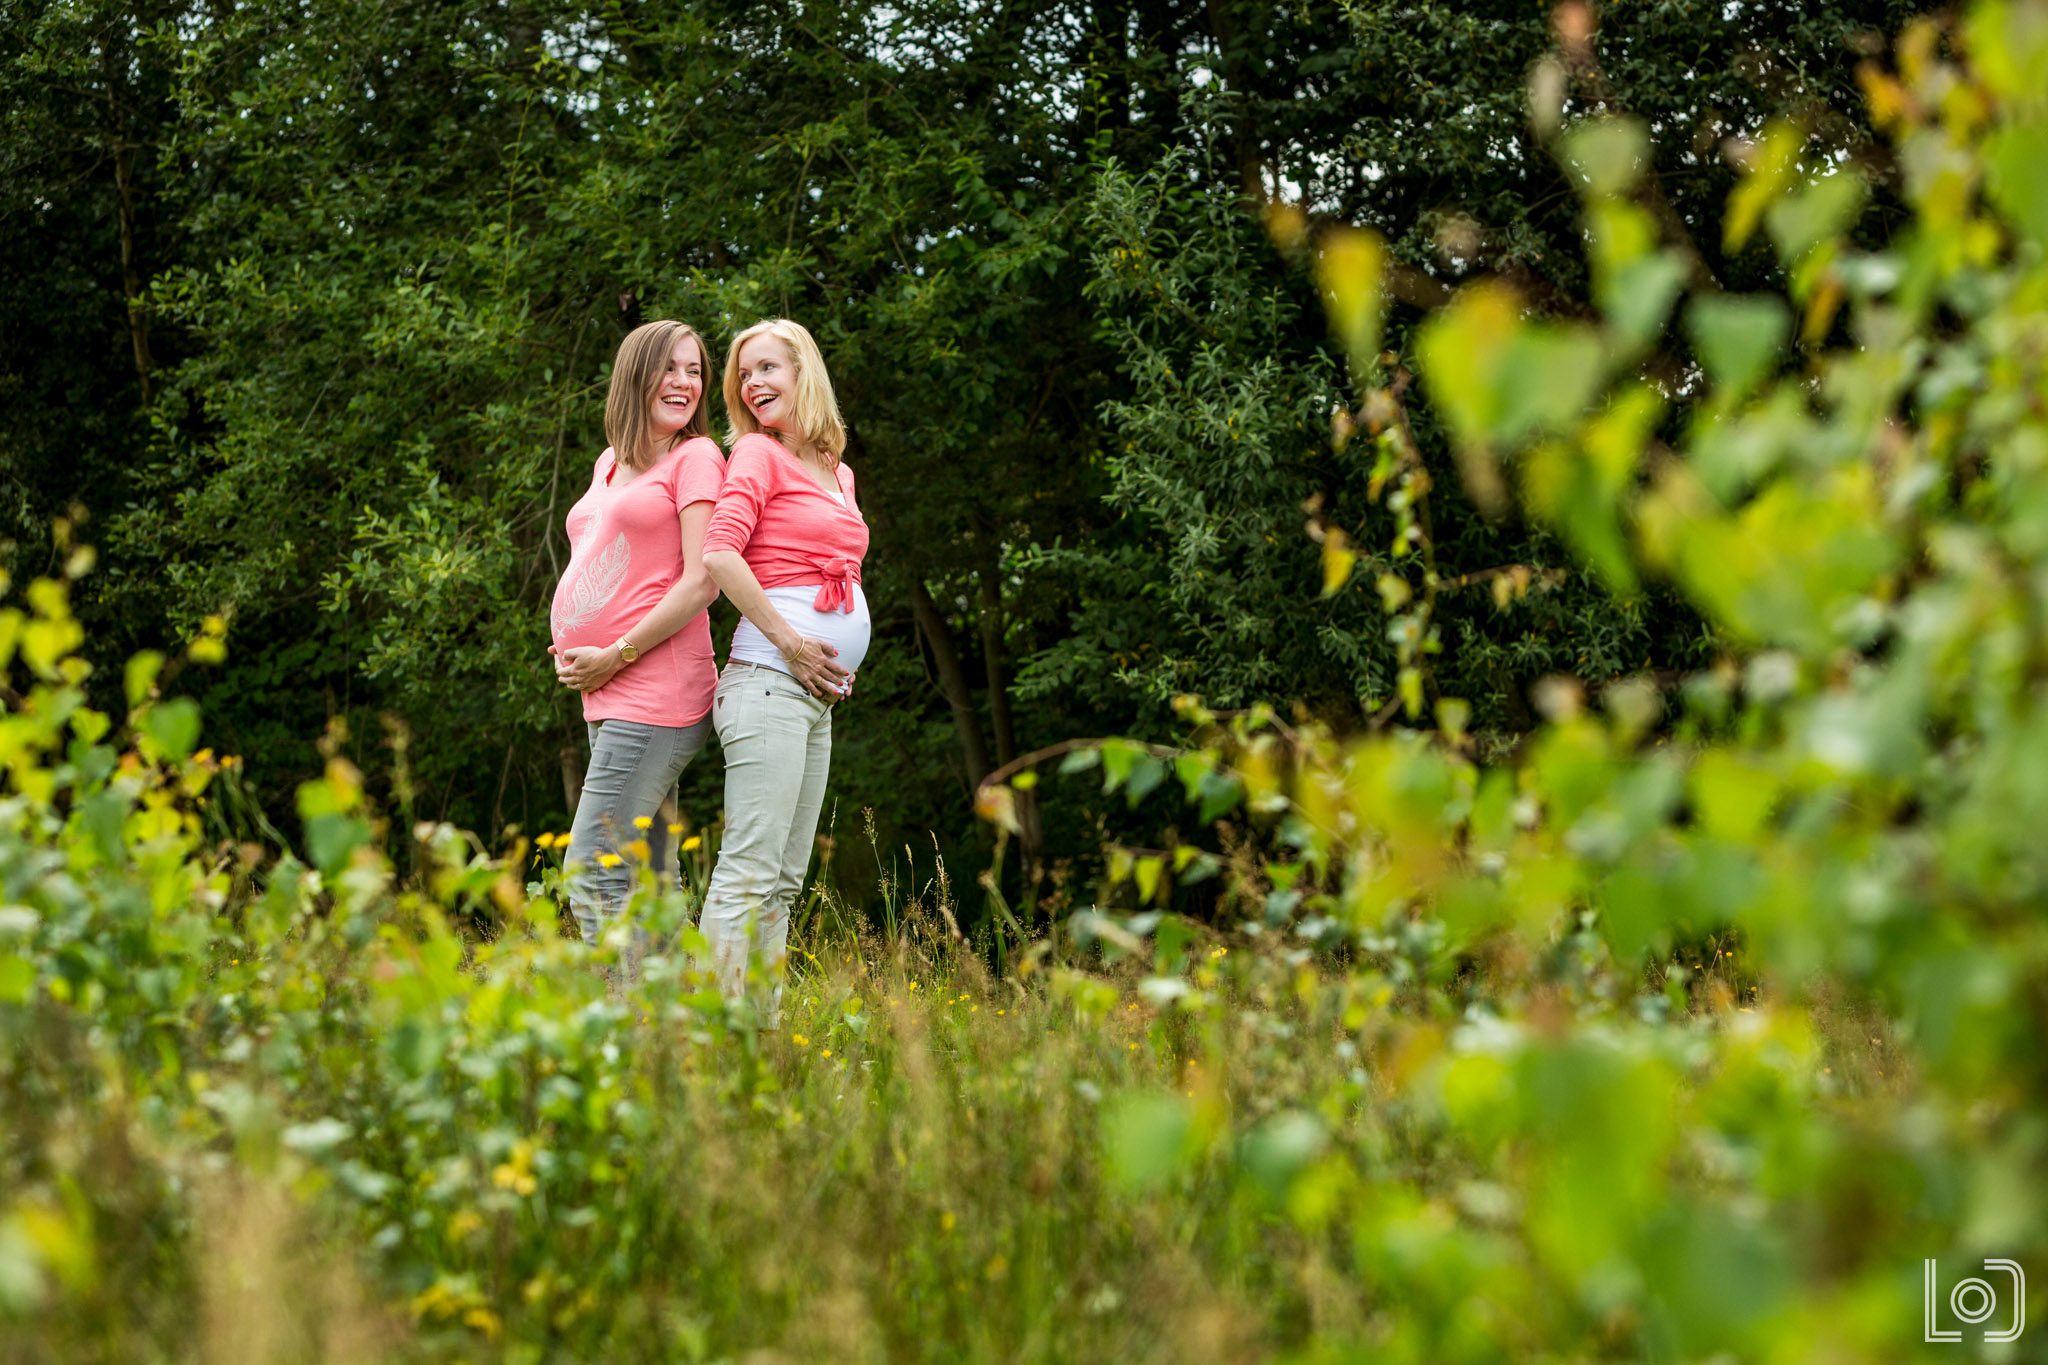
{"type": "Point", "coordinates": [639, 849]}
{"type": "Point", "coordinates": [1218, 951]}
{"type": "Point", "coordinates": [643, 822]}
{"type": "Point", "coordinates": [674, 828]}
{"type": "Point", "coordinates": [543, 841]}
{"type": "Point", "coordinates": [826, 1053]}
{"type": "Point", "coordinates": [517, 1174]}
{"type": "Point", "coordinates": [485, 1321]}
{"type": "Point", "coordinates": [799, 1040]}
{"type": "Point", "coordinates": [609, 860]}
{"type": "Point", "coordinates": [691, 844]}
{"type": "Point", "coordinates": [947, 1221]}
{"type": "Point", "coordinates": [464, 1224]}
{"type": "Point", "coordinates": [913, 985]}
{"type": "Point", "coordinates": [1001, 1013]}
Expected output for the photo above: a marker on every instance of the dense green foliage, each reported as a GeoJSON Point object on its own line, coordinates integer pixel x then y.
{"type": "Point", "coordinates": [1686, 1030]}
{"type": "Point", "coordinates": [309, 308]}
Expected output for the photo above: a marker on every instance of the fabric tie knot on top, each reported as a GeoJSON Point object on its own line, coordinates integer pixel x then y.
{"type": "Point", "coordinates": [836, 592]}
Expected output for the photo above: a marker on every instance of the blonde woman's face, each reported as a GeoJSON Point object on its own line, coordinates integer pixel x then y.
{"type": "Point", "coordinates": [767, 382]}
{"type": "Point", "coordinates": [679, 391]}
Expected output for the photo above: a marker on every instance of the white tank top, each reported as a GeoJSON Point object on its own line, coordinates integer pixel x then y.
{"type": "Point", "coordinates": [846, 631]}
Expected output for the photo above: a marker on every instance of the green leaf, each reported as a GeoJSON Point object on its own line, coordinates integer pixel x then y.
{"type": "Point", "coordinates": [1738, 336]}
{"type": "Point", "coordinates": [1773, 164]}
{"type": "Point", "coordinates": [1638, 299]}
{"type": "Point", "coordinates": [1148, 1139]}
{"type": "Point", "coordinates": [1278, 1150]}
{"type": "Point", "coordinates": [140, 675]}
{"type": "Point", "coordinates": [2015, 157]}
{"type": "Point", "coordinates": [1818, 213]}
{"type": "Point", "coordinates": [1348, 266]}
{"type": "Point", "coordinates": [1607, 155]}
{"type": "Point", "coordinates": [173, 726]}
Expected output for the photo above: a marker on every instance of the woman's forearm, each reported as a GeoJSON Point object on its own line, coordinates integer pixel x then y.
{"type": "Point", "coordinates": [687, 596]}
{"type": "Point", "coordinates": [729, 571]}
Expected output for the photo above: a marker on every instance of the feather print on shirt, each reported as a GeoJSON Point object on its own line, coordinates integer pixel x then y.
{"type": "Point", "coordinates": [595, 584]}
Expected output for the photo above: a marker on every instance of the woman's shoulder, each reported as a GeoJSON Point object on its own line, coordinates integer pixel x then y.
{"type": "Point", "coordinates": [700, 448]}
{"type": "Point", "coordinates": [758, 445]}
{"type": "Point", "coordinates": [759, 455]}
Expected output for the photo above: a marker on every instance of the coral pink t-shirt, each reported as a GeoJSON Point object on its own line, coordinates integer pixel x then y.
{"type": "Point", "coordinates": [625, 553]}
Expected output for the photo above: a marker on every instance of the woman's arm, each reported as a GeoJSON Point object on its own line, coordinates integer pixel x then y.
{"type": "Point", "coordinates": [810, 661]}
{"type": "Point", "coordinates": [587, 668]}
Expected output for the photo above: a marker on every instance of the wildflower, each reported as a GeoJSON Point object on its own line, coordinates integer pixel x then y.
{"type": "Point", "coordinates": [609, 860]}
{"type": "Point", "coordinates": [674, 829]}
{"type": "Point", "coordinates": [465, 1224]}
{"type": "Point", "coordinates": [799, 1040]}
{"type": "Point", "coordinates": [913, 985]}
{"type": "Point", "coordinates": [517, 1174]}
{"type": "Point", "coordinates": [826, 1053]}
{"type": "Point", "coordinates": [946, 1221]}
{"type": "Point", "coordinates": [691, 844]}
{"type": "Point", "coordinates": [1218, 951]}
{"type": "Point", "coordinates": [1001, 1013]}
{"type": "Point", "coordinates": [203, 757]}
{"type": "Point", "coordinates": [643, 822]}
{"type": "Point", "coordinates": [543, 841]}
{"type": "Point", "coordinates": [485, 1321]}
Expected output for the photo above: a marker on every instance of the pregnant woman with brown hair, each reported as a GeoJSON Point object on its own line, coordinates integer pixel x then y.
{"type": "Point", "coordinates": [629, 622]}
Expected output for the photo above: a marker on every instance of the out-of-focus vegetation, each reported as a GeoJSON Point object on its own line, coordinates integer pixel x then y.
{"type": "Point", "coordinates": [1689, 1028]}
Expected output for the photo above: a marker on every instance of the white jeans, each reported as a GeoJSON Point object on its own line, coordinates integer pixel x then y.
{"type": "Point", "coordinates": [778, 750]}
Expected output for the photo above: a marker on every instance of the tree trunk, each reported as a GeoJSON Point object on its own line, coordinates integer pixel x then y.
{"type": "Point", "coordinates": [1242, 137]}
{"type": "Point", "coordinates": [952, 682]}
{"type": "Point", "coordinates": [999, 710]}
{"type": "Point", "coordinates": [574, 760]}
{"type": "Point", "coordinates": [131, 274]}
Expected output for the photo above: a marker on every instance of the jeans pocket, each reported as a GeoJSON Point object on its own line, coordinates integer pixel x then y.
{"type": "Point", "coordinates": [620, 746]}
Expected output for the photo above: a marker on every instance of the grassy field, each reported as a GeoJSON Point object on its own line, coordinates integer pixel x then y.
{"type": "Point", "coordinates": [346, 1127]}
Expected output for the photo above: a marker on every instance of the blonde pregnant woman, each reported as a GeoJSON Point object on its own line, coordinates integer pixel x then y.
{"type": "Point", "coordinates": [785, 544]}
{"type": "Point", "coordinates": [629, 622]}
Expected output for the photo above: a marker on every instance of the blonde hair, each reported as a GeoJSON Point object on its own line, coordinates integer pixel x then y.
{"type": "Point", "coordinates": [817, 408]}
{"type": "Point", "coordinates": [636, 376]}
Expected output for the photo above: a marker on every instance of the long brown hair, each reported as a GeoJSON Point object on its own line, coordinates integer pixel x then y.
{"type": "Point", "coordinates": [636, 374]}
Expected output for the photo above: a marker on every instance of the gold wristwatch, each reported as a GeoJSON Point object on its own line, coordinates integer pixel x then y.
{"type": "Point", "coordinates": [627, 653]}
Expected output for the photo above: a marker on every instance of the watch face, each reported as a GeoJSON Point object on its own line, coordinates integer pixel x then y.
{"type": "Point", "coordinates": [628, 653]}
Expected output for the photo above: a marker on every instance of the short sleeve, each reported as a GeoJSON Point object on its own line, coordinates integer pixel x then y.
{"type": "Point", "coordinates": [700, 473]}
{"type": "Point", "coordinates": [749, 483]}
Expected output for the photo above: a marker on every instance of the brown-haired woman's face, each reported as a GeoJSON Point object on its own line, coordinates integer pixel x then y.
{"type": "Point", "coordinates": [679, 390]}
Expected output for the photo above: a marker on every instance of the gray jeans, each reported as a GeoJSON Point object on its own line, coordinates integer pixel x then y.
{"type": "Point", "coordinates": [778, 751]}
{"type": "Point", "coordinates": [632, 767]}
